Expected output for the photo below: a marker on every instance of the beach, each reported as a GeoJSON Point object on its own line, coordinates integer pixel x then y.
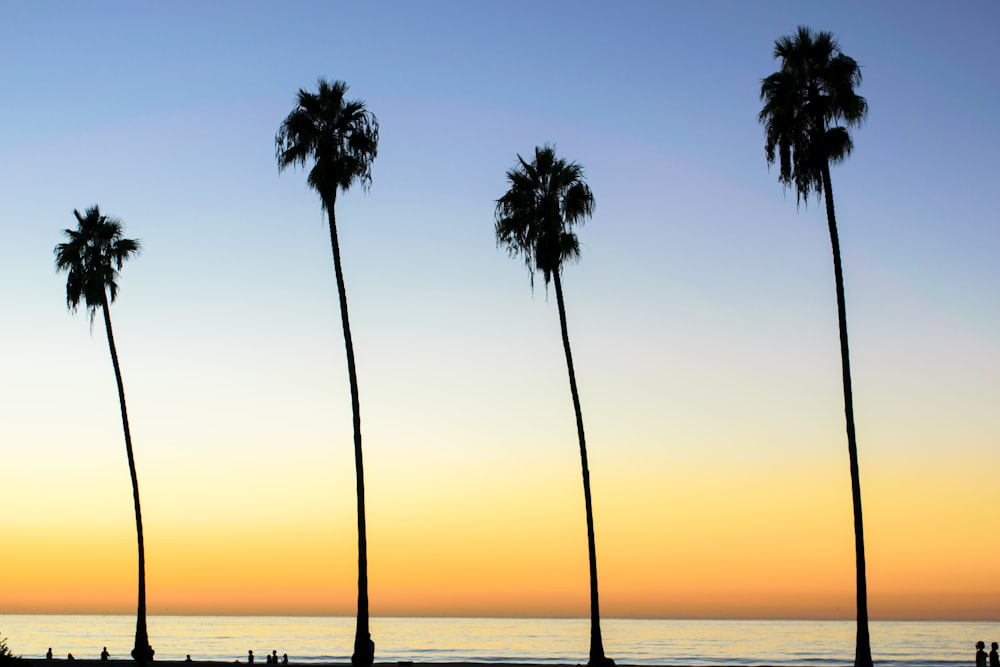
{"type": "Point", "coordinates": [217, 663]}
{"type": "Point", "coordinates": [510, 642]}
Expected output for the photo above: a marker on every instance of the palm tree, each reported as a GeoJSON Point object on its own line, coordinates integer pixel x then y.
{"type": "Point", "coordinates": [340, 138]}
{"type": "Point", "coordinates": [803, 103]}
{"type": "Point", "coordinates": [92, 257]}
{"type": "Point", "coordinates": [535, 219]}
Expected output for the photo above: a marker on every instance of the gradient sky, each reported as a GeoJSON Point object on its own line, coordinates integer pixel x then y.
{"type": "Point", "coordinates": [702, 315]}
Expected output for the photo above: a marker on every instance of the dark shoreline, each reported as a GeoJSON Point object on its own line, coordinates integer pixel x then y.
{"type": "Point", "coordinates": [86, 662]}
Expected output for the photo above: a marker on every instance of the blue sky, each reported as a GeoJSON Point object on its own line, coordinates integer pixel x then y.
{"type": "Point", "coordinates": [702, 313]}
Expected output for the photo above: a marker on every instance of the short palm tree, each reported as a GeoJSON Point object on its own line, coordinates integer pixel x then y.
{"type": "Point", "coordinates": [534, 219]}
{"type": "Point", "coordinates": [804, 103]}
{"type": "Point", "coordinates": [340, 137]}
{"type": "Point", "coordinates": [91, 258]}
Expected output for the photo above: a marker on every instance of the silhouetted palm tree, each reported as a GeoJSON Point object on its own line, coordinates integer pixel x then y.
{"type": "Point", "coordinates": [804, 102]}
{"type": "Point", "coordinates": [91, 259]}
{"type": "Point", "coordinates": [340, 138]}
{"type": "Point", "coordinates": [535, 219]}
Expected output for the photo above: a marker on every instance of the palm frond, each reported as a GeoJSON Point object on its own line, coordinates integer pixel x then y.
{"type": "Point", "coordinates": [802, 104]}
{"type": "Point", "coordinates": [92, 257]}
{"type": "Point", "coordinates": [534, 218]}
{"type": "Point", "coordinates": [338, 136]}
{"type": "Point", "coordinates": [838, 144]}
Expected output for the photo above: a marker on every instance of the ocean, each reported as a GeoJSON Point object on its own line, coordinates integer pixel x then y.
{"type": "Point", "coordinates": [698, 643]}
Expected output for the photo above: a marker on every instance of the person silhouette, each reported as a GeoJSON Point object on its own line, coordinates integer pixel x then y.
{"type": "Point", "coordinates": [268, 659]}
{"type": "Point", "coordinates": [104, 654]}
{"type": "Point", "coordinates": [69, 656]}
{"type": "Point", "coordinates": [284, 659]}
{"type": "Point", "coordinates": [48, 654]}
{"type": "Point", "coordinates": [980, 654]}
{"type": "Point", "coordinates": [188, 658]}
{"type": "Point", "coordinates": [274, 657]}
{"type": "Point", "coordinates": [994, 658]}
{"type": "Point", "coordinates": [250, 657]}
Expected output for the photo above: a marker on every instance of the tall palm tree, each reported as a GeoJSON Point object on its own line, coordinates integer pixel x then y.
{"type": "Point", "coordinates": [535, 219]}
{"type": "Point", "coordinates": [804, 103]}
{"type": "Point", "coordinates": [340, 138]}
{"type": "Point", "coordinates": [91, 258]}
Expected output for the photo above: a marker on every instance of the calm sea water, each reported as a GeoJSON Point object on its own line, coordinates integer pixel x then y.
{"type": "Point", "coordinates": [545, 641]}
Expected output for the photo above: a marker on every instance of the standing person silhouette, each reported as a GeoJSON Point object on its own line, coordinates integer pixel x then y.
{"type": "Point", "coordinates": [994, 658]}
{"type": "Point", "coordinates": [980, 654]}
{"type": "Point", "coordinates": [250, 657]}
{"type": "Point", "coordinates": [104, 654]}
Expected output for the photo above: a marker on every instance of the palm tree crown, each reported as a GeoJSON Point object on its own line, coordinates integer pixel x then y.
{"type": "Point", "coordinates": [339, 135]}
{"type": "Point", "coordinates": [535, 217]}
{"type": "Point", "coordinates": [803, 102]}
{"type": "Point", "coordinates": [92, 258]}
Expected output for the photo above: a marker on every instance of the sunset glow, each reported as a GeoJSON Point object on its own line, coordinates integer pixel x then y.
{"type": "Point", "coordinates": [702, 316]}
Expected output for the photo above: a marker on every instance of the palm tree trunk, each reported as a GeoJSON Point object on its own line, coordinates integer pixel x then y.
{"type": "Point", "coordinates": [863, 655]}
{"type": "Point", "coordinates": [142, 652]}
{"type": "Point", "coordinates": [364, 648]}
{"type": "Point", "coordinates": [597, 657]}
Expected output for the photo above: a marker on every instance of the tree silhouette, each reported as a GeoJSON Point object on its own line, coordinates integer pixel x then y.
{"type": "Point", "coordinates": [803, 103]}
{"type": "Point", "coordinates": [5, 653]}
{"type": "Point", "coordinates": [92, 257]}
{"type": "Point", "coordinates": [340, 138]}
{"type": "Point", "coordinates": [535, 219]}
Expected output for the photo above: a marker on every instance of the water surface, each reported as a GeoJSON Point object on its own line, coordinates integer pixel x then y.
{"type": "Point", "coordinates": [698, 643]}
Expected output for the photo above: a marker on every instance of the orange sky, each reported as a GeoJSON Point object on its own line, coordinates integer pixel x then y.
{"type": "Point", "coordinates": [775, 546]}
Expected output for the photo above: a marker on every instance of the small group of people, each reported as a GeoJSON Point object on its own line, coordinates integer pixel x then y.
{"type": "Point", "coordinates": [272, 658]}
{"type": "Point", "coordinates": [981, 655]}
{"type": "Point", "coordinates": [69, 656]}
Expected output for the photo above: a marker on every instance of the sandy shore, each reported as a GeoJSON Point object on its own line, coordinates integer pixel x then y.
{"type": "Point", "coordinates": [62, 662]}
{"type": "Point", "coordinates": [27, 662]}
{"type": "Point", "coordinates": [78, 662]}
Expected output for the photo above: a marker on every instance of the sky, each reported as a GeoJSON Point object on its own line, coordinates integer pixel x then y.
{"type": "Point", "coordinates": [702, 315]}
